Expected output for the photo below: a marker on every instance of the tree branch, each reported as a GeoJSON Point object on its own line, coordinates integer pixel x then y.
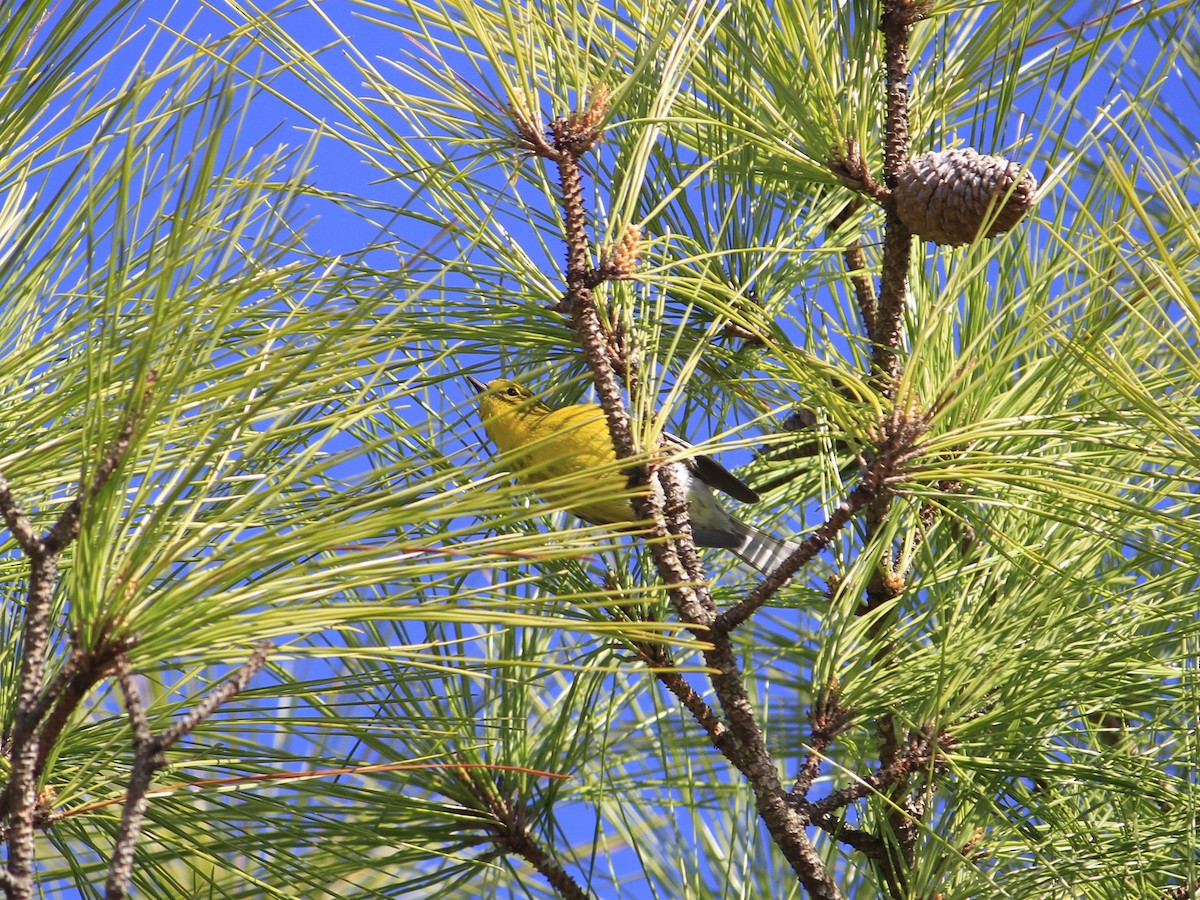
{"type": "Point", "coordinates": [511, 833]}
{"type": "Point", "coordinates": [148, 759]}
{"type": "Point", "coordinates": [898, 17]}
{"type": "Point", "coordinates": [673, 549]}
{"type": "Point", "coordinates": [149, 750]}
{"type": "Point", "coordinates": [916, 755]}
{"type": "Point", "coordinates": [22, 787]}
{"type": "Point", "coordinates": [731, 618]}
{"type": "Point", "coordinates": [26, 742]}
{"type": "Point", "coordinates": [660, 661]}
{"type": "Point", "coordinates": [18, 523]}
{"type": "Point", "coordinates": [867, 844]}
{"type": "Point", "coordinates": [897, 446]}
{"type": "Point", "coordinates": [827, 719]}
{"type": "Point", "coordinates": [856, 266]}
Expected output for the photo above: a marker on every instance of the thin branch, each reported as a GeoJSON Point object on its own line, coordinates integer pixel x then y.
{"type": "Point", "coordinates": [897, 446]}
{"type": "Point", "coordinates": [856, 266]}
{"type": "Point", "coordinates": [511, 833]}
{"type": "Point", "coordinates": [862, 841]}
{"type": "Point", "coordinates": [827, 719]}
{"type": "Point", "coordinates": [83, 671]}
{"type": "Point", "coordinates": [218, 697]}
{"type": "Point", "coordinates": [660, 661]}
{"type": "Point", "coordinates": [18, 523]}
{"type": "Point", "coordinates": [915, 756]}
{"type": "Point", "coordinates": [863, 493]}
{"type": "Point", "coordinates": [53, 691]}
{"type": "Point", "coordinates": [134, 708]}
{"type": "Point", "coordinates": [66, 529]}
{"type": "Point", "coordinates": [149, 757]}
{"type": "Point", "coordinates": [522, 844]}
{"type": "Point", "coordinates": [677, 559]}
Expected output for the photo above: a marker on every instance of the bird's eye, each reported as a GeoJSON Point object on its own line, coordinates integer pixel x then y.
{"type": "Point", "coordinates": [512, 392]}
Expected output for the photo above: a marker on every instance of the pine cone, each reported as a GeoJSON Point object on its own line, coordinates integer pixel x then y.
{"type": "Point", "coordinates": [944, 196]}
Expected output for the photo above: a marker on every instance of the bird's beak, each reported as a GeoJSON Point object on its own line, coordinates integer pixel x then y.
{"type": "Point", "coordinates": [480, 387]}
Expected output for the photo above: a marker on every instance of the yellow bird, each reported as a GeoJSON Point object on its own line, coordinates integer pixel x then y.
{"type": "Point", "coordinates": [567, 456]}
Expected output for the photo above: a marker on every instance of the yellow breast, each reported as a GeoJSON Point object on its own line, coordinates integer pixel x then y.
{"type": "Point", "coordinates": [567, 456]}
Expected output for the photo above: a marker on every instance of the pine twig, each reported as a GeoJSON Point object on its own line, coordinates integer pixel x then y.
{"type": "Point", "coordinates": [827, 719]}
{"type": "Point", "coordinates": [915, 756]}
{"type": "Point", "coordinates": [510, 832]}
{"type": "Point", "coordinates": [660, 661]}
{"type": "Point", "coordinates": [149, 757]}
{"type": "Point", "coordinates": [856, 266]}
{"type": "Point", "coordinates": [26, 743]}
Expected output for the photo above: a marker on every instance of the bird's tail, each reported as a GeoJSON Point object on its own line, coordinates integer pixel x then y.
{"type": "Point", "coordinates": [763, 550]}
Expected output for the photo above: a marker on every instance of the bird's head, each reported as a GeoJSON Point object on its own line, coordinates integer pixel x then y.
{"type": "Point", "coordinates": [503, 396]}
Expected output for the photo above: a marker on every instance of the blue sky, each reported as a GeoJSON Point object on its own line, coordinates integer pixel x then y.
{"type": "Point", "coordinates": [338, 167]}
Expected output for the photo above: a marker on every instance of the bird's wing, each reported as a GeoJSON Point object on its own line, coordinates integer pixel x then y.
{"type": "Point", "coordinates": [712, 472]}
